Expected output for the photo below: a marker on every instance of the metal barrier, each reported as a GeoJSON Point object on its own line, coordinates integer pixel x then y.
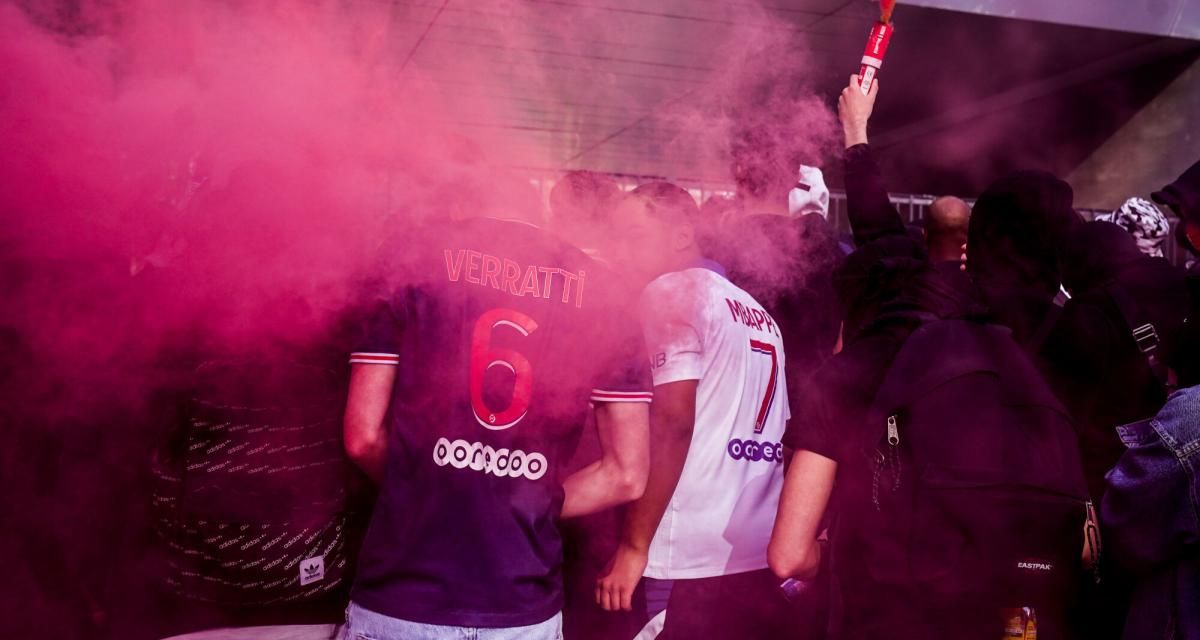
{"type": "Point", "coordinates": [912, 207]}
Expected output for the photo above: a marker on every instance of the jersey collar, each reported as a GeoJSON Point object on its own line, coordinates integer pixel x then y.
{"type": "Point", "coordinates": [711, 265]}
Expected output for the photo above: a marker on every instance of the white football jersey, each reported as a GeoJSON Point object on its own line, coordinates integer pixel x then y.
{"type": "Point", "coordinates": [699, 326]}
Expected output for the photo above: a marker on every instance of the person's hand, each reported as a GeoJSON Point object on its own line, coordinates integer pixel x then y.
{"type": "Point", "coordinates": [614, 592]}
{"type": "Point", "coordinates": [855, 109]}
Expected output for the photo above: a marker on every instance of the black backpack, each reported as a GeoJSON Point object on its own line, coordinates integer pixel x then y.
{"type": "Point", "coordinates": [977, 506]}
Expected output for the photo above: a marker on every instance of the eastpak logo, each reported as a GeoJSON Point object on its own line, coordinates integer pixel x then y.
{"type": "Point", "coordinates": [312, 570]}
{"type": "Point", "coordinates": [1035, 566]}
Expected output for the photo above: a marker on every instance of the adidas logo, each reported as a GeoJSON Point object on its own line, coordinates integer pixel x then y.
{"type": "Point", "coordinates": [312, 570]}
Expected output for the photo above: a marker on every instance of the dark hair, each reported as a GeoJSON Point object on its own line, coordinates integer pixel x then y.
{"type": "Point", "coordinates": [585, 194]}
{"type": "Point", "coordinates": [762, 168]}
{"type": "Point", "coordinates": [1017, 229]}
{"type": "Point", "coordinates": [669, 202]}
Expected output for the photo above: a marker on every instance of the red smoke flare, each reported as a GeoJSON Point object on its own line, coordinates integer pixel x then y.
{"type": "Point", "coordinates": [886, 7]}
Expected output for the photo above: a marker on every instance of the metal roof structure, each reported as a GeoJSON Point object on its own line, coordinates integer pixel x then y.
{"type": "Point", "coordinates": [611, 85]}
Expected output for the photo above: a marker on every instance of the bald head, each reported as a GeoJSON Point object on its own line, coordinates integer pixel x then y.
{"type": "Point", "coordinates": [946, 225]}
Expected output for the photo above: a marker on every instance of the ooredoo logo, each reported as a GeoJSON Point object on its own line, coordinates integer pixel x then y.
{"type": "Point", "coordinates": [477, 456]}
{"type": "Point", "coordinates": [754, 451]}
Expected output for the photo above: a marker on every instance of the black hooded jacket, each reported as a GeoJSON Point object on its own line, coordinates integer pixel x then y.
{"type": "Point", "coordinates": [1094, 362]}
{"type": "Point", "coordinates": [1183, 196]}
{"type": "Point", "coordinates": [1017, 228]}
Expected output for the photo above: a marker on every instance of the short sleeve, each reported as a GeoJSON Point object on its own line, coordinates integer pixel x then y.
{"type": "Point", "coordinates": [626, 376]}
{"type": "Point", "coordinates": [825, 417]}
{"type": "Point", "coordinates": [811, 430]}
{"type": "Point", "coordinates": [378, 340]}
{"type": "Point", "coordinates": [673, 325]}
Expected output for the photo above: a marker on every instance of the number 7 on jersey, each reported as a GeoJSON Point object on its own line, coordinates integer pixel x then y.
{"type": "Point", "coordinates": [768, 349]}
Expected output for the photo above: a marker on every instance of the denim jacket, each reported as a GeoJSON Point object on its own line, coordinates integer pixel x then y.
{"type": "Point", "coordinates": [1151, 514]}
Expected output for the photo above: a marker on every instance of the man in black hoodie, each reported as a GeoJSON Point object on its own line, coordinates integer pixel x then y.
{"type": "Point", "coordinates": [888, 288]}
{"type": "Point", "coordinates": [1183, 196]}
{"type": "Point", "coordinates": [1101, 371]}
{"type": "Point", "coordinates": [1106, 349]}
{"type": "Point", "coordinates": [1017, 228]}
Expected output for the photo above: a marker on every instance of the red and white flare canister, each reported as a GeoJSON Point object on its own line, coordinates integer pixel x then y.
{"type": "Point", "coordinates": [877, 45]}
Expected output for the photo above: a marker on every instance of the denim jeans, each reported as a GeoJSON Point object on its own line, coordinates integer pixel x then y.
{"type": "Point", "coordinates": [364, 624]}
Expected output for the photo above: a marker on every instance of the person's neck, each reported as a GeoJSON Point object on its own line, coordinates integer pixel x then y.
{"type": "Point", "coordinates": [685, 260]}
{"type": "Point", "coordinates": [945, 254]}
{"type": "Point", "coordinates": [584, 236]}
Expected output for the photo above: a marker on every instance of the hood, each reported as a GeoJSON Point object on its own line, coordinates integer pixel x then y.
{"type": "Point", "coordinates": [1018, 226]}
{"type": "Point", "coordinates": [1095, 253]}
{"type": "Point", "coordinates": [1183, 195]}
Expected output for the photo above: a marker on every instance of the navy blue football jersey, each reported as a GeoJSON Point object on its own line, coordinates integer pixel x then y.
{"type": "Point", "coordinates": [502, 334]}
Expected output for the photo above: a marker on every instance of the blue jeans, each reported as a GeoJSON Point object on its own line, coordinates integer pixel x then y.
{"type": "Point", "coordinates": [364, 624]}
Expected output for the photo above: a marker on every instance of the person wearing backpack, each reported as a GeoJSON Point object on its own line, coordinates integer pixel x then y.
{"type": "Point", "coordinates": [960, 503]}
{"type": "Point", "coordinates": [1108, 351]}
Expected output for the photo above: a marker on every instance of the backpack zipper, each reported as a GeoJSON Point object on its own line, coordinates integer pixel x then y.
{"type": "Point", "coordinates": [1091, 529]}
{"type": "Point", "coordinates": [887, 462]}
{"type": "Point", "coordinates": [893, 431]}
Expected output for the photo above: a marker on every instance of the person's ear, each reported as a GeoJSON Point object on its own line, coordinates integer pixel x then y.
{"type": "Point", "coordinates": [683, 237]}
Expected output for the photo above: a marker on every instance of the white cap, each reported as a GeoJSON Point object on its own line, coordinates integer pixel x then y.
{"type": "Point", "coordinates": [810, 195]}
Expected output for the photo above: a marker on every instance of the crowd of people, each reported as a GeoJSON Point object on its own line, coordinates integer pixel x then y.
{"type": "Point", "coordinates": [641, 417]}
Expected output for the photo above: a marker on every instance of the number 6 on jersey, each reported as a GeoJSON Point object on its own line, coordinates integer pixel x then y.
{"type": "Point", "coordinates": [484, 356]}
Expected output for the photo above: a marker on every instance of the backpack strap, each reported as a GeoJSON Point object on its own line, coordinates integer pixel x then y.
{"type": "Point", "coordinates": [1145, 335]}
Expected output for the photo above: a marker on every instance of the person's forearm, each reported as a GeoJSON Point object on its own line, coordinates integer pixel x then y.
{"type": "Point", "coordinates": [598, 486]}
{"type": "Point", "coordinates": [364, 435]}
{"type": "Point", "coordinates": [365, 439]}
{"type": "Point", "coordinates": [855, 133]}
{"type": "Point", "coordinates": [371, 460]}
{"type": "Point", "coordinates": [870, 211]}
{"type": "Point", "coordinates": [793, 550]}
{"type": "Point", "coordinates": [667, 458]}
{"type": "Point", "coordinates": [620, 474]}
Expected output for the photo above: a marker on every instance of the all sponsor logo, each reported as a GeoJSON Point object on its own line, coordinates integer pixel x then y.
{"type": "Point", "coordinates": [501, 463]}
{"type": "Point", "coordinates": [1029, 565]}
{"type": "Point", "coordinates": [755, 451]}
